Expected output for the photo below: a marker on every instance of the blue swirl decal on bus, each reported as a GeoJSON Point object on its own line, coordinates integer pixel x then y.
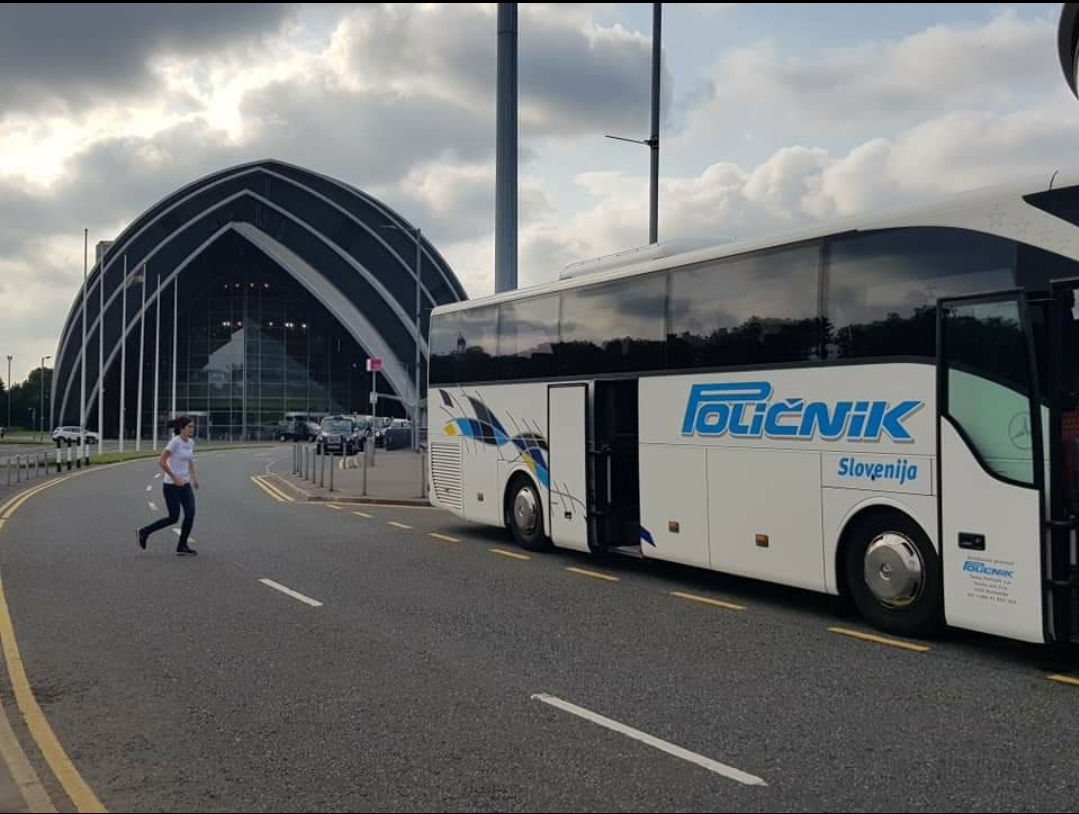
{"type": "Point", "coordinates": [744, 410]}
{"type": "Point", "coordinates": [488, 429]}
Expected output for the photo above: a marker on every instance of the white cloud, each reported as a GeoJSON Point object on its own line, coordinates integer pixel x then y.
{"type": "Point", "coordinates": [796, 186]}
{"type": "Point", "coordinates": [841, 96]}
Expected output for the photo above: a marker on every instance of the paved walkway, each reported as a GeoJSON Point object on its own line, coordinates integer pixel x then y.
{"type": "Point", "coordinates": [396, 477]}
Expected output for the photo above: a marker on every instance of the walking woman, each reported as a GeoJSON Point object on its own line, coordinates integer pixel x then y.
{"type": "Point", "coordinates": [178, 463]}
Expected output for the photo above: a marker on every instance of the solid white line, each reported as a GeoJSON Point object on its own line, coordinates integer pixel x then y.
{"type": "Point", "coordinates": [152, 505]}
{"type": "Point", "coordinates": [279, 587]}
{"type": "Point", "coordinates": [700, 760]}
{"type": "Point", "coordinates": [158, 475]}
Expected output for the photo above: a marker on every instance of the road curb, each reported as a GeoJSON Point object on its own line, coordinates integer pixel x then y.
{"type": "Point", "coordinates": [303, 494]}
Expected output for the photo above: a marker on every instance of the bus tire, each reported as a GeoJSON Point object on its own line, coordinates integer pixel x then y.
{"type": "Point", "coordinates": [893, 574]}
{"type": "Point", "coordinates": [524, 514]}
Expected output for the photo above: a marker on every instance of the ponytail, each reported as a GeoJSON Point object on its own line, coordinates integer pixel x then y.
{"type": "Point", "coordinates": [177, 424]}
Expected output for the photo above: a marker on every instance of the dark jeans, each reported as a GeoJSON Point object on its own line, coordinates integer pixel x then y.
{"type": "Point", "coordinates": [175, 497]}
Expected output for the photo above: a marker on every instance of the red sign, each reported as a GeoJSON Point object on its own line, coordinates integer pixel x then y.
{"type": "Point", "coordinates": [374, 364]}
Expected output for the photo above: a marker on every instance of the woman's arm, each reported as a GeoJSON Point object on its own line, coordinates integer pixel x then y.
{"type": "Point", "coordinates": [164, 461]}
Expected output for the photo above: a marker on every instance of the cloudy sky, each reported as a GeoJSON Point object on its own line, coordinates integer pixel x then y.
{"type": "Point", "coordinates": [774, 116]}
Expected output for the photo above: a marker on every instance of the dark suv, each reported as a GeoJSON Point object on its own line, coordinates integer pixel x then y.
{"type": "Point", "coordinates": [295, 430]}
{"type": "Point", "coordinates": [336, 436]}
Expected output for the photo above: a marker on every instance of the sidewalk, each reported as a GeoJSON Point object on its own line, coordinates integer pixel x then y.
{"type": "Point", "coordinates": [394, 479]}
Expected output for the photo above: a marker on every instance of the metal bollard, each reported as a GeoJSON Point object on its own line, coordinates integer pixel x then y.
{"type": "Point", "coordinates": [59, 463]}
{"type": "Point", "coordinates": [322, 470]}
{"type": "Point", "coordinates": [18, 468]}
{"type": "Point", "coordinates": [8, 468]}
{"type": "Point", "coordinates": [333, 464]}
{"type": "Point", "coordinates": [366, 455]}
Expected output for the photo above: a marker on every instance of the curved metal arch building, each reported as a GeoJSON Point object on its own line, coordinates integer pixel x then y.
{"type": "Point", "coordinates": [249, 294]}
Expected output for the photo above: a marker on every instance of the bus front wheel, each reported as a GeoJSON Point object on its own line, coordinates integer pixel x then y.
{"type": "Point", "coordinates": [525, 515]}
{"type": "Point", "coordinates": [893, 574]}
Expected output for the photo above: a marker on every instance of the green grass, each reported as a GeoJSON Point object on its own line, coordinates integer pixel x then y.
{"type": "Point", "coordinates": [21, 438]}
{"type": "Point", "coordinates": [119, 457]}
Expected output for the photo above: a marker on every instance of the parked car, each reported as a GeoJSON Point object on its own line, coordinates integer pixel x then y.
{"type": "Point", "coordinates": [398, 435]}
{"type": "Point", "coordinates": [295, 430]}
{"type": "Point", "coordinates": [363, 424]}
{"type": "Point", "coordinates": [70, 435]}
{"type": "Point", "coordinates": [337, 435]}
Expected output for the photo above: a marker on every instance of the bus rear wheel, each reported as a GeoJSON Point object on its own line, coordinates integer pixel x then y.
{"type": "Point", "coordinates": [893, 575]}
{"type": "Point", "coordinates": [525, 515]}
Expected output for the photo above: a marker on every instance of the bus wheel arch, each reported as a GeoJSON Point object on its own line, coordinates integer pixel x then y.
{"type": "Point", "coordinates": [522, 509]}
{"type": "Point", "coordinates": [887, 566]}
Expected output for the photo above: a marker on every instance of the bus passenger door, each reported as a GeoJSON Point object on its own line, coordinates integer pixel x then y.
{"type": "Point", "coordinates": [567, 500]}
{"type": "Point", "coordinates": [991, 467]}
{"type": "Point", "coordinates": [1062, 350]}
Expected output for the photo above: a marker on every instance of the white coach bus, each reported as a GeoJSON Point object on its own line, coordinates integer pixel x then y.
{"type": "Point", "coordinates": [886, 409]}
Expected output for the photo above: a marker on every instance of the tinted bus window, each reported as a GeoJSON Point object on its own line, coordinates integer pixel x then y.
{"type": "Point", "coordinates": [476, 345]}
{"type": "Point", "coordinates": [445, 329]}
{"type": "Point", "coordinates": [757, 309]}
{"type": "Point", "coordinates": [883, 286]}
{"type": "Point", "coordinates": [613, 327]}
{"type": "Point", "coordinates": [527, 335]}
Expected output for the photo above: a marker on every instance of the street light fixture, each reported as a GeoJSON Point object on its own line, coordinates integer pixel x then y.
{"type": "Point", "coordinates": [9, 358]}
{"type": "Point", "coordinates": [41, 402]}
{"type": "Point", "coordinates": [416, 236]}
{"type": "Point", "coordinates": [652, 142]}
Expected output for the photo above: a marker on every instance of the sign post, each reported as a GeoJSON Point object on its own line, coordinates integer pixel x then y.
{"type": "Point", "coordinates": [374, 365]}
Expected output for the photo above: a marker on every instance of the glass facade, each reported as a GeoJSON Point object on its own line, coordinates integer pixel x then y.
{"type": "Point", "coordinates": [244, 357]}
{"type": "Point", "coordinates": [253, 346]}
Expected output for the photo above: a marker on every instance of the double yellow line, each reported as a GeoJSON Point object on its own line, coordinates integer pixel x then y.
{"type": "Point", "coordinates": [82, 796]}
{"type": "Point", "coordinates": [263, 482]}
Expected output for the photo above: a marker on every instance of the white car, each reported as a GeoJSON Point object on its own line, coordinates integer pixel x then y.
{"type": "Point", "coordinates": [70, 435]}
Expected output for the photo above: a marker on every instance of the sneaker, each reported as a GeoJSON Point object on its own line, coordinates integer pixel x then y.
{"type": "Point", "coordinates": [141, 538]}
{"type": "Point", "coordinates": [184, 550]}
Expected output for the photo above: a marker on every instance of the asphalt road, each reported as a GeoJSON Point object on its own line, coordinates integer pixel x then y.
{"type": "Point", "coordinates": [186, 684]}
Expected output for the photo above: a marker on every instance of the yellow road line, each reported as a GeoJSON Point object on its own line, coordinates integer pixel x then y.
{"type": "Point", "coordinates": [513, 554]}
{"type": "Point", "coordinates": [265, 489]}
{"type": "Point", "coordinates": [275, 489]}
{"type": "Point", "coordinates": [869, 637]}
{"type": "Point", "coordinates": [445, 537]}
{"type": "Point", "coordinates": [1063, 679]}
{"type": "Point", "coordinates": [26, 779]}
{"type": "Point", "coordinates": [363, 514]}
{"type": "Point", "coordinates": [707, 601]}
{"type": "Point", "coordinates": [76, 788]}
{"type": "Point", "coordinates": [594, 574]}
{"type": "Point", "coordinates": [399, 525]}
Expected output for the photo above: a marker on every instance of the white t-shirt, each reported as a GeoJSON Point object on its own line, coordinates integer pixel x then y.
{"type": "Point", "coordinates": [181, 454]}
